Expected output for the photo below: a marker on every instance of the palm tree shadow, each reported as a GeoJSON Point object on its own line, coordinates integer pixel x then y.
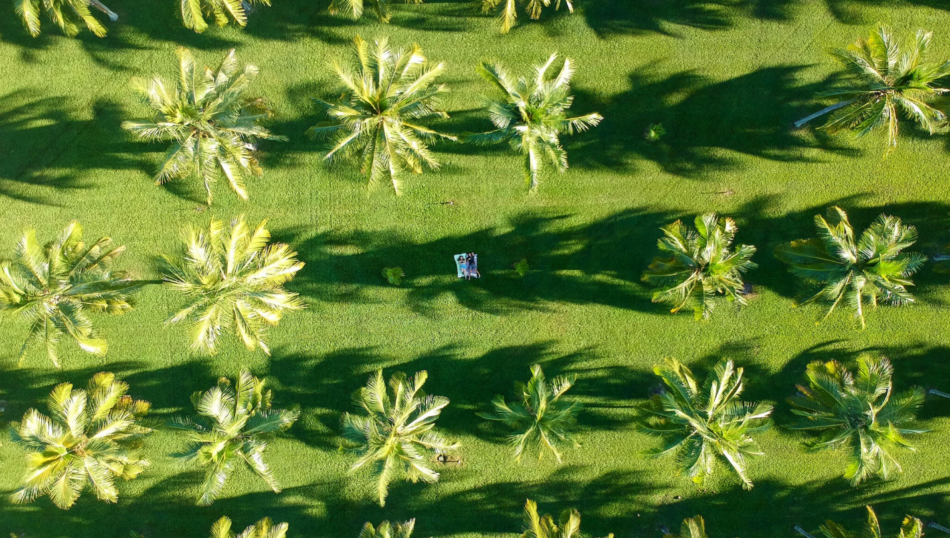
{"type": "Point", "coordinates": [705, 121]}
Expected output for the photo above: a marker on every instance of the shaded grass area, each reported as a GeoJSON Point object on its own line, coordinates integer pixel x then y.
{"type": "Point", "coordinates": [725, 78]}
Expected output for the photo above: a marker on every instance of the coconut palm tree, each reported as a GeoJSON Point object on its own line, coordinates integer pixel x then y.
{"type": "Point", "coordinates": [540, 419]}
{"type": "Point", "coordinates": [881, 83]}
{"type": "Point", "coordinates": [871, 269]}
{"type": "Point", "coordinates": [861, 414]}
{"type": "Point", "coordinates": [232, 280]}
{"type": "Point", "coordinates": [194, 12]}
{"type": "Point", "coordinates": [397, 431]}
{"type": "Point", "coordinates": [533, 114]}
{"type": "Point", "coordinates": [354, 8]}
{"type": "Point", "coordinates": [703, 424]}
{"type": "Point", "coordinates": [88, 441]}
{"type": "Point", "coordinates": [387, 530]}
{"type": "Point", "coordinates": [692, 527]}
{"type": "Point", "coordinates": [264, 528]}
{"type": "Point", "coordinates": [55, 285]}
{"type": "Point", "coordinates": [232, 425]}
{"type": "Point", "coordinates": [698, 264]}
{"type": "Point", "coordinates": [212, 125]}
{"type": "Point", "coordinates": [537, 526]}
{"type": "Point", "coordinates": [69, 15]}
{"type": "Point", "coordinates": [911, 528]}
{"type": "Point", "coordinates": [374, 121]}
{"type": "Point", "coordinates": [507, 10]}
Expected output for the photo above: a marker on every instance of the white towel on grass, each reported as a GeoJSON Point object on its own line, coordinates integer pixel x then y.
{"type": "Point", "coordinates": [458, 266]}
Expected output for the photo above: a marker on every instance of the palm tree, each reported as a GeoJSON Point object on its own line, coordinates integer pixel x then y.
{"type": "Point", "coordinates": [67, 14]}
{"type": "Point", "coordinates": [881, 82]}
{"type": "Point", "coordinates": [55, 285]}
{"type": "Point", "coordinates": [692, 527]}
{"type": "Point", "coordinates": [508, 10]}
{"type": "Point", "coordinates": [699, 265]}
{"type": "Point", "coordinates": [193, 12]}
{"type": "Point", "coordinates": [231, 425]}
{"type": "Point", "coordinates": [264, 528]}
{"type": "Point", "coordinates": [89, 440]}
{"type": "Point", "coordinates": [354, 8]}
{"type": "Point", "coordinates": [232, 280]}
{"type": "Point", "coordinates": [387, 530]}
{"type": "Point", "coordinates": [911, 528]}
{"type": "Point", "coordinates": [374, 121]}
{"type": "Point", "coordinates": [872, 269]}
{"type": "Point", "coordinates": [533, 114]}
{"type": "Point", "coordinates": [535, 526]}
{"type": "Point", "coordinates": [700, 423]}
{"type": "Point", "coordinates": [862, 415]}
{"type": "Point", "coordinates": [397, 431]}
{"type": "Point", "coordinates": [213, 128]}
{"type": "Point", "coordinates": [540, 419]}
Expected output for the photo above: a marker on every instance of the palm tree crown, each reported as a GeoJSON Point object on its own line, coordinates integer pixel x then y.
{"type": "Point", "coordinates": [232, 278]}
{"type": "Point", "coordinates": [88, 440]}
{"type": "Point", "coordinates": [537, 526]}
{"type": "Point", "coordinates": [264, 528]}
{"type": "Point", "coordinates": [692, 527]}
{"type": "Point", "coordinates": [911, 528]}
{"type": "Point", "coordinates": [508, 10]}
{"type": "Point", "coordinates": [398, 430]}
{"type": "Point", "coordinates": [861, 414]}
{"type": "Point", "coordinates": [883, 82]}
{"type": "Point", "coordinates": [540, 419]}
{"type": "Point", "coordinates": [354, 8]}
{"type": "Point", "coordinates": [699, 424]}
{"type": "Point", "coordinates": [232, 423]}
{"type": "Point", "coordinates": [870, 269]}
{"type": "Point", "coordinates": [194, 12]}
{"type": "Point", "coordinates": [533, 114]}
{"type": "Point", "coordinates": [386, 93]}
{"type": "Point", "coordinates": [699, 264]}
{"type": "Point", "coordinates": [387, 530]}
{"type": "Point", "coordinates": [55, 285]}
{"type": "Point", "coordinates": [212, 126]}
{"type": "Point", "coordinates": [69, 15]}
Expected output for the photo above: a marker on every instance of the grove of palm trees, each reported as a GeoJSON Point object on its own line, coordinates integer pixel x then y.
{"type": "Point", "coordinates": [712, 290]}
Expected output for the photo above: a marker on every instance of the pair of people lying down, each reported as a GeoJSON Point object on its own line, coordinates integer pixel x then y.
{"type": "Point", "coordinates": [468, 265]}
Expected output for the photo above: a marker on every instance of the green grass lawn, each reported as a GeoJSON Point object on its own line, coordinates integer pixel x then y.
{"type": "Point", "coordinates": [726, 79]}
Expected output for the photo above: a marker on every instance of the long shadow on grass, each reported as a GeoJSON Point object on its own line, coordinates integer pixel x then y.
{"type": "Point", "coordinates": [707, 122]}
{"type": "Point", "coordinates": [48, 146]}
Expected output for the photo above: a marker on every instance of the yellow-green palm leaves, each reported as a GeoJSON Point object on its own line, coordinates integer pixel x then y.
{"type": "Point", "coordinates": [883, 82]}
{"type": "Point", "coordinates": [264, 528]}
{"type": "Point", "coordinates": [212, 125]}
{"type": "Point", "coordinates": [55, 285]}
{"type": "Point", "coordinates": [195, 12]}
{"type": "Point", "coordinates": [540, 419]}
{"type": "Point", "coordinates": [859, 414]}
{"type": "Point", "coordinates": [532, 115]}
{"type": "Point", "coordinates": [508, 10]}
{"type": "Point", "coordinates": [698, 264]}
{"type": "Point", "coordinates": [232, 280]}
{"type": "Point", "coordinates": [911, 528]}
{"type": "Point", "coordinates": [700, 425]}
{"type": "Point", "coordinates": [388, 530]}
{"type": "Point", "coordinates": [397, 433]}
{"type": "Point", "coordinates": [863, 271]}
{"type": "Point", "coordinates": [231, 425]}
{"type": "Point", "coordinates": [387, 92]}
{"type": "Point", "coordinates": [354, 8]}
{"type": "Point", "coordinates": [89, 440]}
{"type": "Point", "coordinates": [69, 15]}
{"type": "Point", "coordinates": [692, 527]}
{"type": "Point", "coordinates": [537, 526]}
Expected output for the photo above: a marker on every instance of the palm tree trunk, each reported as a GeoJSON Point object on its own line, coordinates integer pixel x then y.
{"type": "Point", "coordinates": [802, 532]}
{"type": "Point", "coordinates": [936, 392]}
{"type": "Point", "coordinates": [822, 112]}
{"type": "Point", "coordinates": [102, 7]}
{"type": "Point", "coordinates": [933, 525]}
